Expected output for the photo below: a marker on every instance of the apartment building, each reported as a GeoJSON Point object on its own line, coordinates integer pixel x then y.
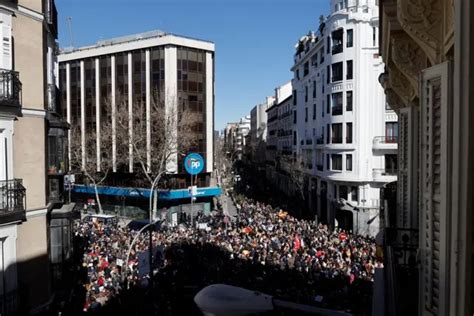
{"type": "Point", "coordinates": [32, 161]}
{"type": "Point", "coordinates": [279, 132]}
{"type": "Point", "coordinates": [242, 136]}
{"type": "Point", "coordinates": [138, 70]}
{"type": "Point", "coordinates": [428, 235]}
{"type": "Point", "coordinates": [258, 130]}
{"type": "Point", "coordinates": [344, 133]}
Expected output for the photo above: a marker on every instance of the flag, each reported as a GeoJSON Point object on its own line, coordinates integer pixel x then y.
{"type": "Point", "coordinates": [297, 243]}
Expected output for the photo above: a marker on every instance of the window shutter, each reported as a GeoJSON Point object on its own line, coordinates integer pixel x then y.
{"type": "Point", "coordinates": [434, 194]}
{"type": "Point", "coordinates": [403, 192]}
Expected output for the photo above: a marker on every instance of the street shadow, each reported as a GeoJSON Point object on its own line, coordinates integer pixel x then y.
{"type": "Point", "coordinates": [191, 267]}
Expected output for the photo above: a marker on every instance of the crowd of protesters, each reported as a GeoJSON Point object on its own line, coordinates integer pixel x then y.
{"type": "Point", "coordinates": [259, 236]}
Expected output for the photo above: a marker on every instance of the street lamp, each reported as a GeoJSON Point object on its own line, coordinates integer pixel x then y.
{"type": "Point", "coordinates": [223, 299]}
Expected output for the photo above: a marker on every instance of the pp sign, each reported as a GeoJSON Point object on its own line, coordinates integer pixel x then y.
{"type": "Point", "coordinates": [194, 163]}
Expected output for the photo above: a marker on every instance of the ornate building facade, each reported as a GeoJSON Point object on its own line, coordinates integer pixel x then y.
{"type": "Point", "coordinates": [344, 134]}
{"type": "Point", "coordinates": [427, 48]}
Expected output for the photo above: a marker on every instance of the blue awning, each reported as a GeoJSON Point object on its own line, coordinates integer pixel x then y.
{"type": "Point", "coordinates": [145, 193]}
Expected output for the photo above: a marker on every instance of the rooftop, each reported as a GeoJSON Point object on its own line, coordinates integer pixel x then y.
{"type": "Point", "coordinates": [132, 39]}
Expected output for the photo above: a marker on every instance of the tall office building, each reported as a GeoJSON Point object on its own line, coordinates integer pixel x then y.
{"type": "Point", "coordinates": [137, 69]}
{"type": "Point", "coordinates": [344, 133]}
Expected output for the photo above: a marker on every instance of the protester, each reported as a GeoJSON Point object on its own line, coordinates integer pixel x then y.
{"type": "Point", "coordinates": [260, 235]}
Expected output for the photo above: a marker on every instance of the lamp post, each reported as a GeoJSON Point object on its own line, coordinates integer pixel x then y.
{"type": "Point", "coordinates": [223, 299]}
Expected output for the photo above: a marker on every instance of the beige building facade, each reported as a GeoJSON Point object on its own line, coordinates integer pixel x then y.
{"type": "Point", "coordinates": [427, 48]}
{"type": "Point", "coordinates": [27, 103]}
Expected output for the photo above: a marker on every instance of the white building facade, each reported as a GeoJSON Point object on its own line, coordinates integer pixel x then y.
{"type": "Point", "coordinates": [241, 132]}
{"type": "Point", "coordinates": [343, 131]}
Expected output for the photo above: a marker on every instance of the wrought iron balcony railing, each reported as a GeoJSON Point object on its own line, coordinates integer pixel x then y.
{"type": "Point", "coordinates": [10, 90]}
{"type": "Point", "coordinates": [12, 199]}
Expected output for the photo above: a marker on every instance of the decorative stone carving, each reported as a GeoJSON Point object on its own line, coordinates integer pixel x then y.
{"type": "Point", "coordinates": [391, 96]}
{"type": "Point", "coordinates": [448, 25]}
{"type": "Point", "coordinates": [409, 58]}
{"type": "Point", "coordinates": [393, 100]}
{"type": "Point", "coordinates": [422, 20]}
{"type": "Point", "coordinates": [400, 84]}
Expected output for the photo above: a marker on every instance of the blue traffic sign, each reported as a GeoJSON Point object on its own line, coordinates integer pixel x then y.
{"type": "Point", "coordinates": [194, 163]}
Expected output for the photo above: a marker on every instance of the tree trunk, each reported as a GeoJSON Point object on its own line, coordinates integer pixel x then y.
{"type": "Point", "coordinates": [98, 199]}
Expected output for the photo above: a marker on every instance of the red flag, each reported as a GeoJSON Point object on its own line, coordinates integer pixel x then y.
{"type": "Point", "coordinates": [297, 243]}
{"type": "Point", "coordinates": [342, 236]}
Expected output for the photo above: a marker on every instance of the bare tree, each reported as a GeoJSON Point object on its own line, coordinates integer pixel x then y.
{"type": "Point", "coordinates": [158, 139]}
{"type": "Point", "coordinates": [84, 160]}
{"type": "Point", "coordinates": [294, 168]}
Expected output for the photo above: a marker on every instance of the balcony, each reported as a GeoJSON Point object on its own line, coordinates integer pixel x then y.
{"type": "Point", "coordinates": [384, 175]}
{"type": "Point", "coordinates": [10, 93]}
{"type": "Point", "coordinates": [401, 270]}
{"type": "Point", "coordinates": [12, 201]}
{"type": "Point", "coordinates": [385, 143]}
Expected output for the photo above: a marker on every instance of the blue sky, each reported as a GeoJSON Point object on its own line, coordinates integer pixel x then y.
{"type": "Point", "coordinates": [254, 38]}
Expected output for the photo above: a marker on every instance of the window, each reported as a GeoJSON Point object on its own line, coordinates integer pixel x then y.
{"type": "Point", "coordinates": [294, 117]}
{"type": "Point", "coordinates": [391, 132]}
{"type": "Point", "coordinates": [374, 36]}
{"type": "Point", "coordinates": [349, 69]}
{"type": "Point", "coordinates": [294, 97]}
{"type": "Point", "coordinates": [349, 162]}
{"type": "Point", "coordinates": [314, 111]}
{"type": "Point", "coordinates": [298, 74]}
{"type": "Point", "coordinates": [348, 100]}
{"type": "Point", "coordinates": [349, 133]}
{"type": "Point", "coordinates": [328, 135]}
{"type": "Point", "coordinates": [306, 114]}
{"type": "Point", "coordinates": [294, 138]}
{"type": "Point", "coordinates": [306, 94]}
{"type": "Point", "coordinates": [328, 161]}
{"type": "Point", "coordinates": [354, 194]}
{"type": "Point", "coordinates": [322, 135]}
{"type": "Point", "coordinates": [321, 56]}
{"type": "Point", "coordinates": [349, 40]}
{"type": "Point", "coordinates": [343, 192]}
{"type": "Point", "coordinates": [314, 60]}
{"type": "Point", "coordinates": [328, 103]}
{"type": "Point", "coordinates": [328, 44]}
{"type": "Point", "coordinates": [336, 162]}
{"type": "Point", "coordinates": [391, 164]}
{"type": "Point", "coordinates": [337, 103]}
{"type": "Point", "coordinates": [314, 89]}
{"type": "Point", "coordinates": [337, 41]}
{"type": "Point", "coordinates": [337, 72]}
{"type": "Point", "coordinates": [322, 108]}
{"type": "Point", "coordinates": [306, 69]}
{"type": "Point", "coordinates": [336, 133]}
{"type": "Point", "coordinates": [328, 70]}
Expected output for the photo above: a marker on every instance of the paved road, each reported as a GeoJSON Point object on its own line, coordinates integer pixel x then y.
{"type": "Point", "coordinates": [231, 209]}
